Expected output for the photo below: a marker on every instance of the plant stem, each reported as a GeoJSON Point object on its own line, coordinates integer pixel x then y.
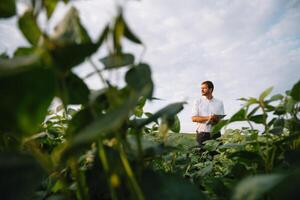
{"type": "Point", "coordinates": [104, 161]}
{"type": "Point", "coordinates": [136, 189]}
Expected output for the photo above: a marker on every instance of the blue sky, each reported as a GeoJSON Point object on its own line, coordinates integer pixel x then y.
{"type": "Point", "coordinates": [244, 47]}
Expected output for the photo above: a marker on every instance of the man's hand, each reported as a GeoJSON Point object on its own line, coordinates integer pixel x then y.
{"type": "Point", "coordinates": [213, 118]}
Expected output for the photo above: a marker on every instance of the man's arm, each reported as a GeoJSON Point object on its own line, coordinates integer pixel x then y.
{"type": "Point", "coordinates": [202, 119]}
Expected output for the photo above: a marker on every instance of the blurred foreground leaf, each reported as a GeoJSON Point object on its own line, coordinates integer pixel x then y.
{"type": "Point", "coordinates": [19, 176]}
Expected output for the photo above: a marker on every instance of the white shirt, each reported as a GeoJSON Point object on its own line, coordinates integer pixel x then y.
{"type": "Point", "coordinates": [206, 107]}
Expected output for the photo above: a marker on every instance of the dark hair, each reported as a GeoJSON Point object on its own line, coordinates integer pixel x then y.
{"type": "Point", "coordinates": [209, 84]}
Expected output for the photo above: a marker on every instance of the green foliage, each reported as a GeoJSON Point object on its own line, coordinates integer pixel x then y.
{"type": "Point", "coordinates": [21, 171]}
{"type": "Point", "coordinates": [7, 8]}
{"type": "Point", "coordinates": [30, 28]}
{"type": "Point", "coordinates": [109, 147]}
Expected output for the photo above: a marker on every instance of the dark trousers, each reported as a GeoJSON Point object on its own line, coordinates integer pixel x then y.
{"type": "Point", "coordinates": [203, 136]}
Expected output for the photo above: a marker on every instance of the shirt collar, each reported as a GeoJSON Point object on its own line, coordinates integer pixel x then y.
{"type": "Point", "coordinates": [206, 99]}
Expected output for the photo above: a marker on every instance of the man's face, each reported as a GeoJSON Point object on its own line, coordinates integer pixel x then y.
{"type": "Point", "coordinates": [205, 90]}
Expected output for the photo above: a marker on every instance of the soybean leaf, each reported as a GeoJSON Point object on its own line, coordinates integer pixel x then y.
{"type": "Point", "coordinates": [219, 126]}
{"type": "Point", "coordinates": [175, 126]}
{"type": "Point", "coordinates": [76, 90]}
{"type": "Point", "coordinates": [156, 185]}
{"type": "Point", "coordinates": [24, 51]}
{"type": "Point", "coordinates": [26, 96]}
{"type": "Point", "coordinates": [265, 93]}
{"type": "Point", "coordinates": [50, 6]}
{"type": "Point", "coordinates": [239, 116]}
{"type": "Point", "coordinates": [253, 111]}
{"type": "Point", "coordinates": [256, 187]}
{"type": "Point", "coordinates": [275, 97]}
{"type": "Point", "coordinates": [251, 101]}
{"type": "Point", "coordinates": [70, 31]}
{"type": "Point", "coordinates": [295, 93]}
{"type": "Point", "coordinates": [259, 119]}
{"type": "Point", "coordinates": [139, 77]}
{"type": "Point", "coordinates": [19, 64]}
{"type": "Point", "coordinates": [105, 124]}
{"type": "Point", "coordinates": [68, 55]}
{"type": "Point", "coordinates": [129, 34]}
{"type": "Point", "coordinates": [19, 171]}
{"type": "Point", "coordinates": [278, 126]}
{"type": "Point", "coordinates": [79, 122]}
{"type": "Point", "coordinates": [168, 112]}
{"type": "Point", "coordinates": [7, 8]}
{"type": "Point", "coordinates": [30, 28]}
{"type": "Point", "coordinates": [117, 60]}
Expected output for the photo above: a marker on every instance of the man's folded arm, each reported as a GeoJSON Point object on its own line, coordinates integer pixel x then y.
{"type": "Point", "coordinates": [200, 119]}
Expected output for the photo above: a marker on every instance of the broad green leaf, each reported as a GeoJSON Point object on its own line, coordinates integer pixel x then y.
{"type": "Point", "coordinates": [79, 122]}
{"type": "Point", "coordinates": [24, 51]}
{"type": "Point", "coordinates": [265, 93]}
{"type": "Point", "coordinates": [7, 8]}
{"type": "Point", "coordinates": [103, 36]}
{"type": "Point", "coordinates": [139, 77]}
{"type": "Point", "coordinates": [239, 116]}
{"type": "Point", "coordinates": [19, 64]}
{"type": "Point", "coordinates": [156, 185]}
{"type": "Point", "coordinates": [290, 105]}
{"type": "Point", "coordinates": [206, 170]}
{"type": "Point", "coordinates": [280, 110]}
{"type": "Point", "coordinates": [295, 93]}
{"type": "Point", "coordinates": [50, 6]}
{"type": "Point", "coordinates": [275, 97]}
{"type": "Point", "coordinates": [26, 96]}
{"type": "Point", "coordinates": [73, 90]}
{"type": "Point", "coordinates": [20, 176]}
{"type": "Point", "coordinates": [259, 119]}
{"type": "Point", "coordinates": [251, 101]}
{"type": "Point", "coordinates": [69, 54]}
{"type": "Point", "coordinates": [117, 60]}
{"type": "Point", "coordinates": [167, 112]}
{"type": "Point", "coordinates": [211, 145]}
{"type": "Point", "coordinates": [269, 108]}
{"type": "Point", "coordinates": [243, 156]}
{"type": "Point", "coordinates": [175, 126]}
{"type": "Point", "coordinates": [242, 99]}
{"type": "Point", "coordinates": [105, 124]}
{"type": "Point", "coordinates": [70, 31]}
{"type": "Point", "coordinates": [276, 130]}
{"type": "Point", "coordinates": [129, 34]}
{"type": "Point", "coordinates": [256, 187]}
{"type": "Point", "coordinates": [232, 146]}
{"type": "Point", "coordinates": [253, 111]}
{"type": "Point", "coordinates": [219, 126]}
{"type": "Point", "coordinates": [29, 27]}
{"type": "Point", "coordinates": [218, 186]}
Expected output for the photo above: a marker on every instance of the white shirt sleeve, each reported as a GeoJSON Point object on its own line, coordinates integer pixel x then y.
{"type": "Point", "coordinates": [195, 109]}
{"type": "Point", "coordinates": [221, 109]}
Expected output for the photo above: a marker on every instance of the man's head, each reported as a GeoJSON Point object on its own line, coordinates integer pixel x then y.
{"type": "Point", "coordinates": [207, 88]}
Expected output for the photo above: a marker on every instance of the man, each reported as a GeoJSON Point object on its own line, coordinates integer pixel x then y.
{"type": "Point", "coordinates": [205, 112]}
